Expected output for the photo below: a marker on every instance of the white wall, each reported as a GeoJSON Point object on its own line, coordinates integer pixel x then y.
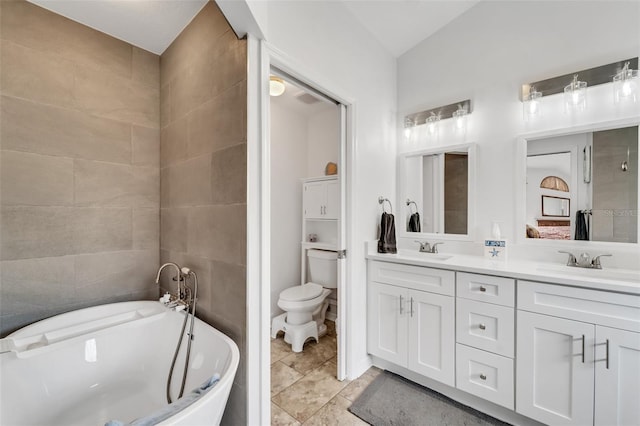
{"type": "Point", "coordinates": [331, 48]}
{"type": "Point", "coordinates": [323, 138]}
{"type": "Point", "coordinates": [288, 166]}
{"type": "Point", "coordinates": [486, 55]}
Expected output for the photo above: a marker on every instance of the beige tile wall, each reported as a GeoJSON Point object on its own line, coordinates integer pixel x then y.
{"type": "Point", "coordinates": [79, 166]}
{"type": "Point", "coordinates": [203, 175]}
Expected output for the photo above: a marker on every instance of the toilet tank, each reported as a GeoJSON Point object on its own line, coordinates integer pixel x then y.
{"type": "Point", "coordinates": [323, 267]}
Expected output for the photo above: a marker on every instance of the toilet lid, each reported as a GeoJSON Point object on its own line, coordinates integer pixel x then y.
{"type": "Point", "coordinates": [300, 293]}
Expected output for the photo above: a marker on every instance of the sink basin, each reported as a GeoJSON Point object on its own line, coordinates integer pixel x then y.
{"type": "Point", "coordinates": [602, 274]}
{"type": "Point", "coordinates": [425, 256]}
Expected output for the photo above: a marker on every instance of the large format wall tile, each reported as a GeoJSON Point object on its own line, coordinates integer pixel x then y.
{"type": "Point", "coordinates": [80, 151]}
{"type": "Point", "coordinates": [45, 129]}
{"type": "Point", "coordinates": [188, 183]}
{"type": "Point", "coordinates": [219, 123]}
{"type": "Point", "coordinates": [36, 75]}
{"type": "Point", "coordinates": [229, 175]}
{"type": "Point", "coordinates": [108, 184]}
{"type": "Point", "coordinates": [35, 180]}
{"type": "Point", "coordinates": [173, 229]}
{"type": "Point", "coordinates": [218, 232]}
{"type": "Point", "coordinates": [37, 28]}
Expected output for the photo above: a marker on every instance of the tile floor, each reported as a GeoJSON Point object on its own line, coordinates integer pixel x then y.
{"type": "Point", "coordinates": [304, 388]}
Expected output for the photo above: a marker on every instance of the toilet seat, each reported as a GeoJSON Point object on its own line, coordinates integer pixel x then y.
{"type": "Point", "coordinates": [301, 293]}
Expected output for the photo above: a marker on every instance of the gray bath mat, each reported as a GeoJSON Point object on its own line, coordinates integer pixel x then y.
{"type": "Point", "coordinates": [391, 400]}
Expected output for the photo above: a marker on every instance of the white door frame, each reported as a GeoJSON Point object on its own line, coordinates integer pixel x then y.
{"type": "Point", "coordinates": [261, 56]}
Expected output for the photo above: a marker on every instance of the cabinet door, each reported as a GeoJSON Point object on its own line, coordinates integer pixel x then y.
{"type": "Point", "coordinates": [554, 373]}
{"type": "Point", "coordinates": [332, 207]}
{"type": "Point", "coordinates": [431, 345]}
{"type": "Point", "coordinates": [617, 377]}
{"type": "Point", "coordinates": [315, 194]}
{"type": "Point", "coordinates": [387, 318]}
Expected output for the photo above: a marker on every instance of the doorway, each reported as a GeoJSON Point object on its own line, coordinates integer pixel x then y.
{"type": "Point", "coordinates": [307, 188]}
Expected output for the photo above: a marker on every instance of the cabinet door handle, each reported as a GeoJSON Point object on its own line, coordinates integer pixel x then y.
{"type": "Point", "coordinates": [483, 289]}
{"type": "Point", "coordinates": [400, 304]}
{"type": "Point", "coordinates": [483, 376]}
{"type": "Point", "coordinates": [412, 307]}
{"type": "Point", "coordinates": [482, 326]}
{"type": "Point", "coordinates": [607, 354]}
{"type": "Point", "coordinates": [583, 348]}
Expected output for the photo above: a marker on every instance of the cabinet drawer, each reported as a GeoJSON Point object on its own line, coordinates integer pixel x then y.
{"type": "Point", "coordinates": [485, 326]}
{"type": "Point", "coordinates": [414, 277]}
{"type": "Point", "coordinates": [595, 306]}
{"type": "Point", "coordinates": [486, 375]}
{"type": "Point", "coordinates": [486, 288]}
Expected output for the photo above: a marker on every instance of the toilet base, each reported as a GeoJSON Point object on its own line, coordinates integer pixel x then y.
{"type": "Point", "coordinates": [296, 335]}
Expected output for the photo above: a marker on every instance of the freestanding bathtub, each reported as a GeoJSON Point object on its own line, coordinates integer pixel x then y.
{"type": "Point", "coordinates": [111, 362]}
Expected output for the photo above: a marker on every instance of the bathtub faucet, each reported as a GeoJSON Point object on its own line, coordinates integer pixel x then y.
{"type": "Point", "coordinates": [178, 277]}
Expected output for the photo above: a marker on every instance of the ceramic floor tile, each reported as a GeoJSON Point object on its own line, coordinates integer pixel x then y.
{"type": "Point", "coordinates": [335, 412]}
{"type": "Point", "coordinates": [282, 377]}
{"type": "Point", "coordinates": [279, 417]}
{"type": "Point", "coordinates": [311, 357]}
{"type": "Point", "coordinates": [373, 371]}
{"type": "Point", "coordinates": [279, 349]}
{"type": "Point", "coordinates": [310, 393]}
{"type": "Point", "coordinates": [355, 388]}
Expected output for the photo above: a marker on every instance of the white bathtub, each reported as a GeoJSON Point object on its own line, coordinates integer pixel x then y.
{"type": "Point", "coordinates": [111, 362]}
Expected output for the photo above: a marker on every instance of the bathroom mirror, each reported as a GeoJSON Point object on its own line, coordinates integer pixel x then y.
{"type": "Point", "coordinates": [436, 193]}
{"type": "Point", "coordinates": [583, 186]}
{"type": "Point", "coordinates": [555, 206]}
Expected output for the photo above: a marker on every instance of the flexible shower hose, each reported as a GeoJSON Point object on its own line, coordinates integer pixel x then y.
{"type": "Point", "coordinates": [190, 338]}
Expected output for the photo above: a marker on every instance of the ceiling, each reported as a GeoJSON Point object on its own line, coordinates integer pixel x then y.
{"type": "Point", "coordinates": [149, 24]}
{"type": "Point", "coordinates": [399, 25]}
{"type": "Point", "coordinates": [301, 101]}
{"type": "Point", "coordinates": [153, 24]}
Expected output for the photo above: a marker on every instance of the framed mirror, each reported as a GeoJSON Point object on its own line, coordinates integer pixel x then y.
{"type": "Point", "coordinates": [555, 206]}
{"type": "Point", "coordinates": [582, 185]}
{"type": "Point", "coordinates": [436, 192]}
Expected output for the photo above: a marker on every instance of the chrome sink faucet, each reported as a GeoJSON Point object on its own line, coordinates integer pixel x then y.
{"type": "Point", "coordinates": [425, 247]}
{"type": "Point", "coordinates": [584, 260]}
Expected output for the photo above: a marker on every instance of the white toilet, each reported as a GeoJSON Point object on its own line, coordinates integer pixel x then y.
{"type": "Point", "coordinates": [305, 305]}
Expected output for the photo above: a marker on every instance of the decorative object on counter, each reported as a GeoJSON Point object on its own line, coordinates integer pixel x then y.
{"type": "Point", "coordinates": [625, 82]}
{"type": "Point", "coordinates": [496, 233]}
{"type": "Point", "coordinates": [313, 238]}
{"type": "Point", "coordinates": [495, 249]}
{"type": "Point", "coordinates": [331, 169]}
{"type": "Point", "coordinates": [387, 241]}
{"type": "Point", "coordinates": [413, 225]}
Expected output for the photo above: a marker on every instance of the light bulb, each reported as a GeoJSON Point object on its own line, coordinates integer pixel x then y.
{"type": "Point", "coordinates": [625, 85]}
{"type": "Point", "coordinates": [407, 132]}
{"type": "Point", "coordinates": [532, 104]}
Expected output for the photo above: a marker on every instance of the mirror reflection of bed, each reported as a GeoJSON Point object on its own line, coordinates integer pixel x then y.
{"type": "Point", "coordinates": [584, 186]}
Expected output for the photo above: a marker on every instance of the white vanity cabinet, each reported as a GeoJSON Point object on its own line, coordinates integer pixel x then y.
{"type": "Point", "coordinates": [485, 338]}
{"type": "Point", "coordinates": [411, 318]}
{"type": "Point", "coordinates": [578, 355]}
{"type": "Point", "coordinates": [321, 198]}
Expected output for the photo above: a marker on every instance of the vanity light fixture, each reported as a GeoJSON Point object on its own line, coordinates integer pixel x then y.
{"type": "Point", "coordinates": [460, 119]}
{"type": "Point", "coordinates": [432, 124]}
{"type": "Point", "coordinates": [408, 124]}
{"type": "Point", "coordinates": [276, 86]}
{"type": "Point", "coordinates": [626, 84]}
{"type": "Point", "coordinates": [459, 111]}
{"type": "Point", "coordinates": [532, 104]}
{"type": "Point", "coordinates": [575, 95]}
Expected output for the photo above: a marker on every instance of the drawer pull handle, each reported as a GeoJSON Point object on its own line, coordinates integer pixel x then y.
{"type": "Point", "coordinates": [483, 376]}
{"type": "Point", "coordinates": [607, 363]}
{"type": "Point", "coordinates": [583, 348]}
{"type": "Point", "coordinates": [483, 288]}
{"type": "Point", "coordinates": [482, 326]}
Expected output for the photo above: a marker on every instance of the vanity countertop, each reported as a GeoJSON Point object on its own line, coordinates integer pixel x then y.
{"type": "Point", "coordinates": [618, 280]}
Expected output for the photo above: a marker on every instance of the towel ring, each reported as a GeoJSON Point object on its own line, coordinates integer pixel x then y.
{"type": "Point", "coordinates": [381, 200]}
{"type": "Point", "coordinates": [409, 202]}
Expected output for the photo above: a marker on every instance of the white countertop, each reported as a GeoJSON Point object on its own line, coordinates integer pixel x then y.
{"type": "Point", "coordinates": [618, 280]}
